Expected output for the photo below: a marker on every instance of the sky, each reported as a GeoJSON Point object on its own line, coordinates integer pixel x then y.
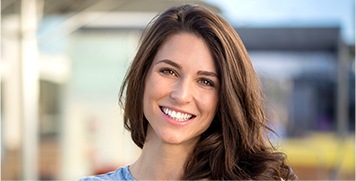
{"type": "Point", "coordinates": [291, 13]}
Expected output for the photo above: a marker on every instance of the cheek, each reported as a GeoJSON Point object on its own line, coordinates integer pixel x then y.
{"type": "Point", "coordinates": [150, 85]}
{"type": "Point", "coordinates": [154, 87]}
{"type": "Point", "coordinates": [155, 90]}
{"type": "Point", "coordinates": [210, 103]}
{"type": "Point", "coordinates": [147, 94]}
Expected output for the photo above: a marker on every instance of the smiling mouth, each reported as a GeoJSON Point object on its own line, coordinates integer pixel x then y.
{"type": "Point", "coordinates": [178, 116]}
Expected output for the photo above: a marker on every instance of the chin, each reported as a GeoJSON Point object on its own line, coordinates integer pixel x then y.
{"type": "Point", "coordinates": [179, 140]}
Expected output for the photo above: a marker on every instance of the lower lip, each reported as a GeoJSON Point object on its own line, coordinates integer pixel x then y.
{"type": "Point", "coordinates": [175, 122]}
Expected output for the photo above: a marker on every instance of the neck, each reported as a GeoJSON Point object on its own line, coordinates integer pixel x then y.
{"type": "Point", "coordinates": [160, 161]}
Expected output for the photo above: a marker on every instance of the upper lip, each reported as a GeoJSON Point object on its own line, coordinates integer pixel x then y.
{"type": "Point", "coordinates": [177, 110]}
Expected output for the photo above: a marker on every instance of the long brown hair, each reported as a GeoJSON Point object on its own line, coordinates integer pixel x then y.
{"type": "Point", "coordinates": [236, 145]}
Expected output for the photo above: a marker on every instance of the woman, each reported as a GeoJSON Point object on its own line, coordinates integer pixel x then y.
{"type": "Point", "coordinates": [193, 103]}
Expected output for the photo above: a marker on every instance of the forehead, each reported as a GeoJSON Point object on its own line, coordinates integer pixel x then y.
{"type": "Point", "coordinates": [186, 48]}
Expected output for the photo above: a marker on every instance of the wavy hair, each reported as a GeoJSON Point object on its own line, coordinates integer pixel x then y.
{"type": "Point", "coordinates": [236, 145]}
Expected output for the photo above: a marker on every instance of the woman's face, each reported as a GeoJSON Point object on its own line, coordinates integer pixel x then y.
{"type": "Point", "coordinates": [181, 90]}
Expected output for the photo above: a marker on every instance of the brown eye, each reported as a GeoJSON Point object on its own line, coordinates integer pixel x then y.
{"type": "Point", "coordinates": [168, 71]}
{"type": "Point", "coordinates": [206, 82]}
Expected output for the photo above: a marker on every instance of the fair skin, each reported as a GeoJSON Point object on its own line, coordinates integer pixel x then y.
{"type": "Point", "coordinates": [180, 101]}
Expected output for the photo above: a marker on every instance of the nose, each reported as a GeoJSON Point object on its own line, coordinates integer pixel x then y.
{"type": "Point", "coordinates": [182, 92]}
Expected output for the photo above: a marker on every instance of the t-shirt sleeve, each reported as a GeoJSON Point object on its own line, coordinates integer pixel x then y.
{"type": "Point", "coordinates": [122, 173]}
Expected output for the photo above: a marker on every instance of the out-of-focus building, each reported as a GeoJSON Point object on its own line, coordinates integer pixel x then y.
{"type": "Point", "coordinates": [304, 53]}
{"type": "Point", "coordinates": [300, 71]}
{"type": "Point", "coordinates": [62, 63]}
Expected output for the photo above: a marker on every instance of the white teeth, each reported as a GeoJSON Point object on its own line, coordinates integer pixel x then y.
{"type": "Point", "coordinates": [179, 116]}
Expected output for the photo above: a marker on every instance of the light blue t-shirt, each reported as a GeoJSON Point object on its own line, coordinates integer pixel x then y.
{"type": "Point", "coordinates": [122, 173]}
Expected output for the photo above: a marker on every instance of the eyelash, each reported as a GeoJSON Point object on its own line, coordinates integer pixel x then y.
{"type": "Point", "coordinates": [203, 81]}
{"type": "Point", "coordinates": [206, 82]}
{"type": "Point", "coordinates": [168, 71]}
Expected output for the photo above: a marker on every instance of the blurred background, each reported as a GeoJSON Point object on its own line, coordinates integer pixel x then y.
{"type": "Point", "coordinates": [63, 61]}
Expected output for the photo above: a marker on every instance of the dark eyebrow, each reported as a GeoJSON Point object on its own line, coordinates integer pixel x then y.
{"type": "Point", "coordinates": [170, 62]}
{"type": "Point", "coordinates": [206, 73]}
